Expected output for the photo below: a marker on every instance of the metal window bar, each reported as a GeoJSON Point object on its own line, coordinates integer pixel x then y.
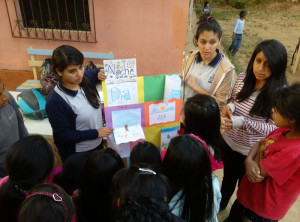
{"type": "Point", "coordinates": [62, 20]}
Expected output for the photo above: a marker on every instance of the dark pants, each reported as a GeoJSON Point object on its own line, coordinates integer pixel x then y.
{"type": "Point", "coordinates": [234, 170]}
{"type": "Point", "coordinates": [236, 44]}
{"type": "Point", "coordinates": [238, 213]}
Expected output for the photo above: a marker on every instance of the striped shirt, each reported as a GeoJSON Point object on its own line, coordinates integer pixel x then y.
{"type": "Point", "coordinates": [254, 128]}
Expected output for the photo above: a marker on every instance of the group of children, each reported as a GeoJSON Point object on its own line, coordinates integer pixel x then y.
{"type": "Point", "coordinates": [260, 147]}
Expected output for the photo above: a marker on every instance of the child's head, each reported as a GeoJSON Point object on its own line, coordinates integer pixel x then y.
{"type": "Point", "coordinates": [3, 96]}
{"type": "Point", "coordinates": [187, 166]}
{"type": "Point", "coordinates": [206, 3]}
{"type": "Point", "coordinates": [47, 202]}
{"type": "Point", "coordinates": [208, 37]}
{"type": "Point", "coordinates": [66, 55]}
{"type": "Point", "coordinates": [201, 116]}
{"type": "Point", "coordinates": [265, 69]}
{"type": "Point", "coordinates": [243, 14]}
{"type": "Point", "coordinates": [71, 173]}
{"type": "Point", "coordinates": [95, 183]}
{"type": "Point", "coordinates": [286, 103]}
{"type": "Point", "coordinates": [275, 55]}
{"type": "Point", "coordinates": [142, 190]}
{"type": "Point", "coordinates": [29, 161]}
{"type": "Point", "coordinates": [145, 153]}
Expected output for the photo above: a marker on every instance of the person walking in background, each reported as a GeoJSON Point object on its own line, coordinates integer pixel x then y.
{"type": "Point", "coordinates": [247, 118]}
{"type": "Point", "coordinates": [237, 34]}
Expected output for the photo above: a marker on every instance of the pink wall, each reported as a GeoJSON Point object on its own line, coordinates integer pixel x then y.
{"type": "Point", "coordinates": [152, 31]}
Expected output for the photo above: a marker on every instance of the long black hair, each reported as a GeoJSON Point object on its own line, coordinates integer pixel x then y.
{"type": "Point", "coordinates": [202, 118]}
{"type": "Point", "coordinates": [142, 193]}
{"type": "Point", "coordinates": [66, 55]}
{"type": "Point", "coordinates": [207, 23]}
{"type": "Point", "coordinates": [29, 161]}
{"type": "Point", "coordinates": [94, 201]}
{"type": "Point", "coordinates": [286, 101]}
{"type": "Point", "coordinates": [42, 206]}
{"type": "Point", "coordinates": [187, 166]}
{"type": "Point", "coordinates": [276, 55]}
{"type": "Point", "coordinates": [145, 153]}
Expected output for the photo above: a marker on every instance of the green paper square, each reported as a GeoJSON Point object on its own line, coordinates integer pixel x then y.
{"type": "Point", "coordinates": [154, 87]}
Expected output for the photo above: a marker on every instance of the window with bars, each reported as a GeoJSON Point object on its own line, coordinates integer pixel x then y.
{"type": "Point", "coordinates": [69, 20]}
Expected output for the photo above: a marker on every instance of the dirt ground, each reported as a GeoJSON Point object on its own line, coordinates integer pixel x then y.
{"type": "Point", "coordinates": [279, 21]}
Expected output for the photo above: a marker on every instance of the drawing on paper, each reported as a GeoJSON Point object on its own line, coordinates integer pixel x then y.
{"type": "Point", "coordinates": [161, 113]}
{"type": "Point", "coordinates": [122, 94]}
{"type": "Point", "coordinates": [118, 71]}
{"type": "Point", "coordinates": [167, 134]}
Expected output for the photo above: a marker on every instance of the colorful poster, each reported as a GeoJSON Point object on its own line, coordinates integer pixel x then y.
{"type": "Point", "coordinates": [158, 112]}
{"type": "Point", "coordinates": [122, 94]}
{"type": "Point", "coordinates": [172, 87]}
{"type": "Point", "coordinates": [161, 113]}
{"type": "Point", "coordinates": [129, 117]}
{"type": "Point", "coordinates": [166, 135]}
{"type": "Point", "coordinates": [109, 110]}
{"type": "Point", "coordinates": [119, 71]}
{"type": "Point", "coordinates": [153, 133]}
{"type": "Point", "coordinates": [128, 134]}
{"type": "Point", "coordinates": [127, 125]}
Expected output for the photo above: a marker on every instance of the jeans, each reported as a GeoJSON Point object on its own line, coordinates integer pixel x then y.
{"type": "Point", "coordinates": [236, 44]}
{"type": "Point", "coordinates": [234, 170]}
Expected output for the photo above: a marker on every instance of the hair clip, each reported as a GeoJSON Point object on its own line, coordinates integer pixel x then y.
{"type": "Point", "coordinates": [208, 17]}
{"type": "Point", "coordinates": [147, 170]}
{"type": "Point", "coordinates": [55, 197]}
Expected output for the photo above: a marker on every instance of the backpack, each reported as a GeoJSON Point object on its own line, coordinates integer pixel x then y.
{"type": "Point", "coordinates": [49, 78]}
{"type": "Point", "coordinates": [32, 103]}
{"type": "Point", "coordinates": [90, 66]}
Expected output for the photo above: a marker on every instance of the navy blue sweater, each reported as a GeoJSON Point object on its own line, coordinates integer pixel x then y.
{"type": "Point", "coordinates": [63, 120]}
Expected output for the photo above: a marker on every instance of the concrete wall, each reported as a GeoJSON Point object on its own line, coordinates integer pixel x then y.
{"type": "Point", "coordinates": [152, 31]}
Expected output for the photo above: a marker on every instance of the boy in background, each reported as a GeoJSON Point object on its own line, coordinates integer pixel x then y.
{"type": "Point", "coordinates": [238, 33]}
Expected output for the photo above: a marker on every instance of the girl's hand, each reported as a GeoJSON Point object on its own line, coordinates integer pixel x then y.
{"type": "Point", "coordinates": [253, 171]}
{"type": "Point", "coordinates": [101, 75]}
{"type": "Point", "coordinates": [226, 124]}
{"type": "Point", "coordinates": [104, 132]}
{"type": "Point", "coordinates": [191, 82]}
{"type": "Point", "coordinates": [226, 112]}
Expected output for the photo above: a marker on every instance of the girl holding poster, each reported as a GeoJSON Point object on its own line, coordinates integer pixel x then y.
{"type": "Point", "coordinates": [207, 71]}
{"type": "Point", "coordinates": [74, 107]}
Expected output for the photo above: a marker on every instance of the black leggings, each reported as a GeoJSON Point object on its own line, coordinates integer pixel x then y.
{"type": "Point", "coordinates": [234, 170]}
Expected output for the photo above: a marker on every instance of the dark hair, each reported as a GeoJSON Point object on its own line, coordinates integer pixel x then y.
{"type": "Point", "coordinates": [41, 206]}
{"type": "Point", "coordinates": [29, 161]}
{"type": "Point", "coordinates": [187, 166]}
{"type": "Point", "coordinates": [207, 23]}
{"type": "Point", "coordinates": [142, 193]}
{"type": "Point", "coordinates": [206, 3]}
{"type": "Point", "coordinates": [243, 13]}
{"type": "Point", "coordinates": [95, 184]}
{"type": "Point", "coordinates": [202, 118]}
{"type": "Point", "coordinates": [70, 175]}
{"type": "Point", "coordinates": [145, 153]}
{"type": "Point", "coordinates": [66, 55]}
{"type": "Point", "coordinates": [286, 101]}
{"type": "Point", "coordinates": [276, 56]}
